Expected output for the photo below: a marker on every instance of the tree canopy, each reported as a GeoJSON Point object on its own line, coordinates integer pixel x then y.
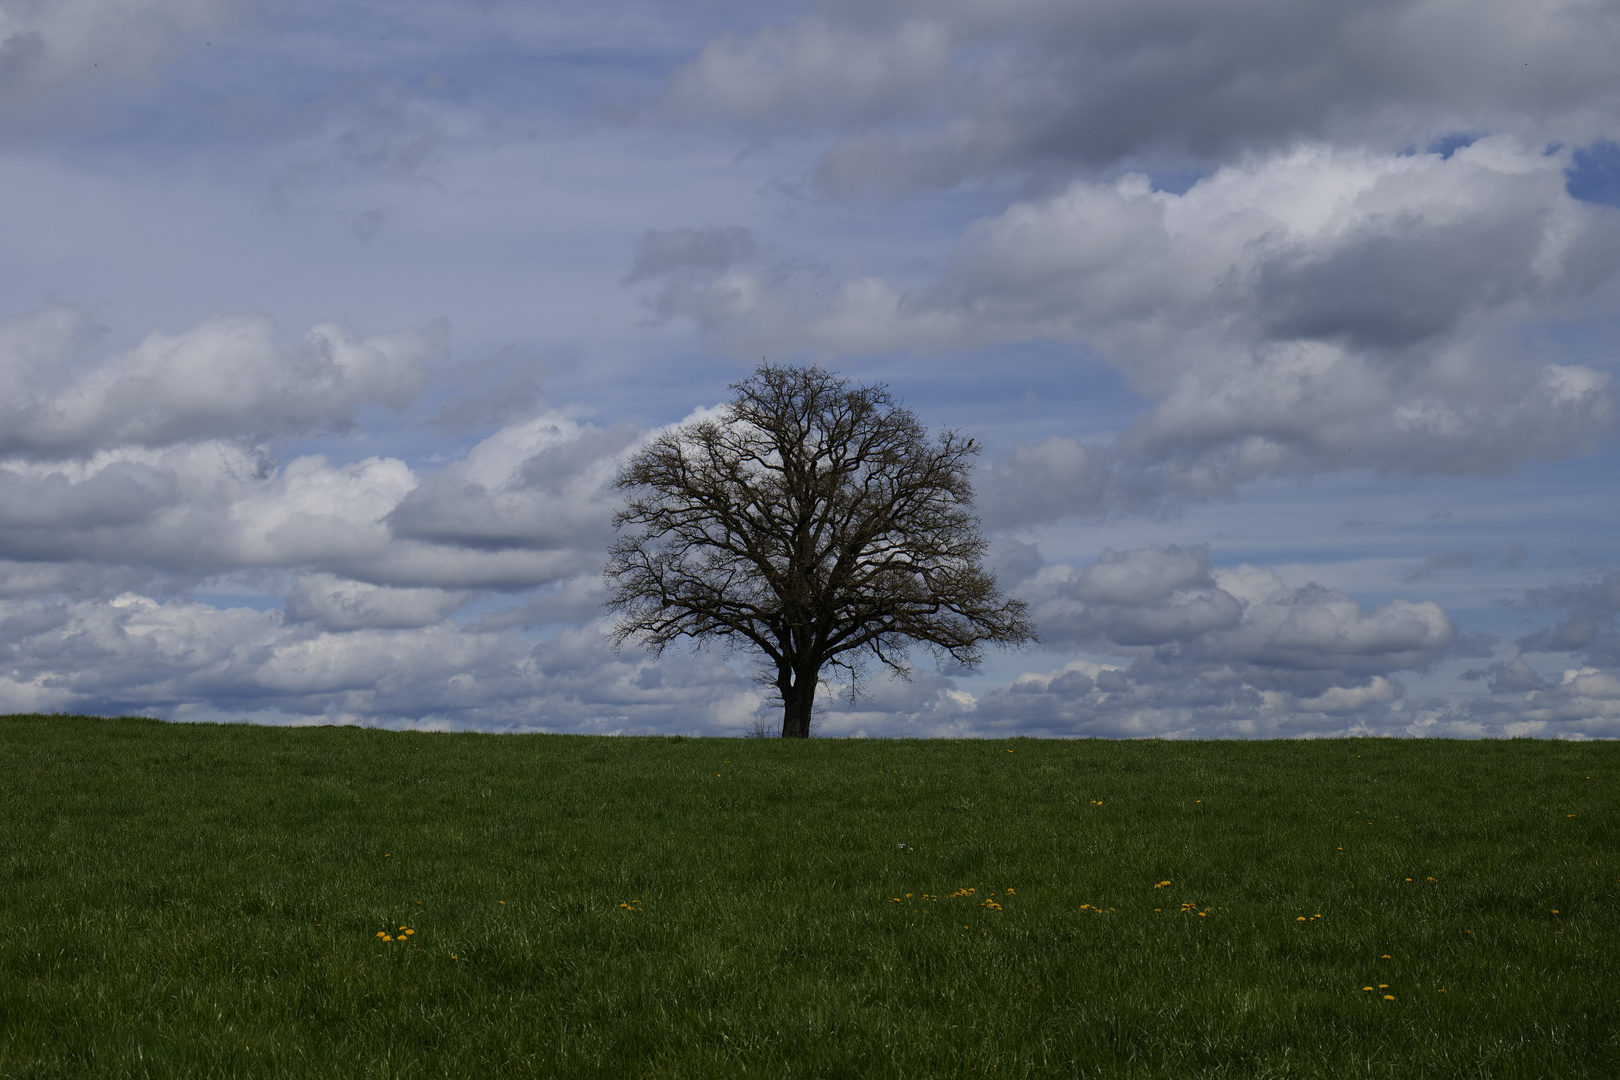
{"type": "Point", "coordinates": [815, 522]}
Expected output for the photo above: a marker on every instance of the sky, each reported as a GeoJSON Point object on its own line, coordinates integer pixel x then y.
{"type": "Point", "coordinates": [1289, 330]}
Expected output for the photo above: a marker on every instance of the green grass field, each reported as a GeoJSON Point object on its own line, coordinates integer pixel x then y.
{"type": "Point", "coordinates": [199, 900]}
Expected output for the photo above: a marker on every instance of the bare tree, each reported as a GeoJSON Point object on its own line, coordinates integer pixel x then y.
{"type": "Point", "coordinates": [815, 522]}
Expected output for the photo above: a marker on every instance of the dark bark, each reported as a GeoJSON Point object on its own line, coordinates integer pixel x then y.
{"type": "Point", "coordinates": [798, 704]}
{"type": "Point", "coordinates": [815, 523]}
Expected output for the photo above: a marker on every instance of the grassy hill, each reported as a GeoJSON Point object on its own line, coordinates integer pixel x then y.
{"type": "Point", "coordinates": [200, 900]}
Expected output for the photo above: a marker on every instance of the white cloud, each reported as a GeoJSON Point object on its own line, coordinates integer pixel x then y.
{"type": "Point", "coordinates": [1317, 310]}
{"type": "Point", "coordinates": [183, 658]}
{"type": "Point", "coordinates": [341, 604]}
{"type": "Point", "coordinates": [51, 49]}
{"type": "Point", "coordinates": [227, 378]}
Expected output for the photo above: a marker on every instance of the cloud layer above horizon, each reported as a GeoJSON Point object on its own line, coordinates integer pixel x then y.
{"type": "Point", "coordinates": [1290, 334]}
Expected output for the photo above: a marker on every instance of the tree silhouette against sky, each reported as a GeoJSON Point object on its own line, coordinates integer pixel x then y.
{"type": "Point", "coordinates": [814, 522]}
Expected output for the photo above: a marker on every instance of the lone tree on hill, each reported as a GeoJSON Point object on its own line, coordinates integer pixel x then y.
{"type": "Point", "coordinates": [814, 521]}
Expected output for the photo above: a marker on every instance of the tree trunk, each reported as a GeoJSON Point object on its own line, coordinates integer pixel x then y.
{"type": "Point", "coordinates": [797, 702]}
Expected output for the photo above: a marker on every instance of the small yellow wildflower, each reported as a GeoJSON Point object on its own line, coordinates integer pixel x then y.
{"type": "Point", "coordinates": [1389, 997]}
{"type": "Point", "coordinates": [1300, 919]}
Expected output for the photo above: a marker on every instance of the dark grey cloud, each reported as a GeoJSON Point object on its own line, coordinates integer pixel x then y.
{"type": "Point", "coordinates": [713, 248]}
{"type": "Point", "coordinates": [931, 95]}
{"type": "Point", "coordinates": [1398, 282]}
{"type": "Point", "coordinates": [1588, 626]}
{"type": "Point", "coordinates": [1513, 676]}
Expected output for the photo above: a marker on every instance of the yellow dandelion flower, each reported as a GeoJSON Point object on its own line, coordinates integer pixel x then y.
{"type": "Point", "coordinates": [382, 933]}
{"type": "Point", "coordinates": [1389, 997]}
{"type": "Point", "coordinates": [1383, 986]}
{"type": "Point", "coordinates": [1201, 914]}
{"type": "Point", "coordinates": [1366, 989]}
{"type": "Point", "coordinates": [1386, 956]}
{"type": "Point", "coordinates": [408, 932]}
{"type": "Point", "coordinates": [1428, 879]}
{"type": "Point", "coordinates": [1300, 919]}
{"type": "Point", "coordinates": [385, 937]}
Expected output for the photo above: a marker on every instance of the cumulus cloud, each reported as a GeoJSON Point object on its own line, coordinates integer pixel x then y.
{"type": "Point", "coordinates": [931, 94]}
{"type": "Point", "coordinates": [153, 464]}
{"type": "Point", "coordinates": [1207, 651]}
{"type": "Point", "coordinates": [541, 485]}
{"type": "Point", "coordinates": [342, 604]}
{"type": "Point", "coordinates": [183, 658]}
{"type": "Point", "coordinates": [227, 378]}
{"type": "Point", "coordinates": [1316, 310]}
{"type": "Point", "coordinates": [1170, 604]}
{"type": "Point", "coordinates": [527, 506]}
{"type": "Point", "coordinates": [1588, 627]}
{"type": "Point", "coordinates": [1198, 651]}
